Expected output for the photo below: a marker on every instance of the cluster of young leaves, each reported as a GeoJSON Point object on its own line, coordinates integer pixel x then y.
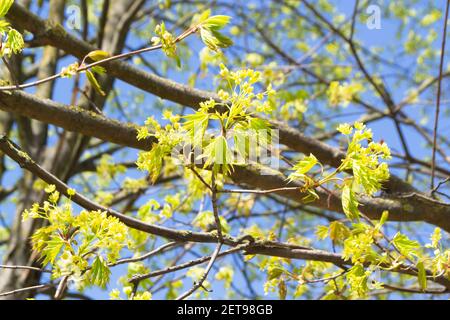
{"type": "Point", "coordinates": [343, 94]}
{"type": "Point", "coordinates": [364, 162]}
{"type": "Point", "coordinates": [168, 138]}
{"type": "Point", "coordinates": [363, 245]}
{"type": "Point", "coordinates": [81, 246]}
{"type": "Point", "coordinates": [363, 242]}
{"type": "Point", "coordinates": [208, 27]}
{"type": "Point", "coordinates": [74, 68]}
{"type": "Point", "coordinates": [234, 115]}
{"type": "Point", "coordinates": [368, 174]}
{"type": "Point", "coordinates": [167, 41]}
{"type": "Point", "coordinates": [14, 43]}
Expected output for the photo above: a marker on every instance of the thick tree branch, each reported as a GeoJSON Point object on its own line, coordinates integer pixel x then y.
{"type": "Point", "coordinates": [414, 207]}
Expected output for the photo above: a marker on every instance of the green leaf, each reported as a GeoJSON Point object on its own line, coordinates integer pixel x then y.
{"type": "Point", "coordinates": [97, 55]}
{"type": "Point", "coordinates": [338, 231]}
{"type": "Point", "coordinates": [208, 39]}
{"type": "Point", "coordinates": [4, 7]}
{"type": "Point", "coordinates": [223, 41]}
{"type": "Point", "coordinates": [421, 275]}
{"type": "Point", "coordinates": [384, 217]}
{"type": "Point", "coordinates": [382, 221]}
{"type": "Point", "coordinates": [98, 69]}
{"type": "Point", "coordinates": [94, 83]}
{"type": "Point", "coordinates": [52, 249]}
{"type": "Point", "coordinates": [405, 245]}
{"type": "Point", "coordinates": [274, 272]}
{"type": "Point", "coordinates": [100, 272]}
{"type": "Point", "coordinates": [218, 154]}
{"type": "Point", "coordinates": [3, 26]}
{"type": "Point", "coordinates": [350, 203]}
{"type": "Point", "coordinates": [214, 39]}
{"type": "Point", "coordinates": [302, 167]}
{"type": "Point", "coordinates": [196, 125]}
{"type": "Point", "coordinates": [15, 41]}
{"type": "Point", "coordinates": [199, 18]}
{"type": "Point", "coordinates": [322, 232]}
{"type": "Point", "coordinates": [216, 22]}
{"type": "Point", "coordinates": [311, 196]}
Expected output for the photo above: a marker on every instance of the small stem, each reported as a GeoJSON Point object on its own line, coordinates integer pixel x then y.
{"type": "Point", "coordinates": [215, 208]}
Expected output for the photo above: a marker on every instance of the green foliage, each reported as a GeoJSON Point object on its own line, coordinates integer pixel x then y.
{"type": "Point", "coordinates": [209, 27]}
{"type": "Point", "coordinates": [97, 55]}
{"type": "Point", "coordinates": [70, 71]}
{"type": "Point", "coordinates": [84, 246]}
{"type": "Point", "coordinates": [342, 94]}
{"type": "Point", "coordinates": [303, 167]}
{"type": "Point", "coordinates": [90, 76]}
{"type": "Point", "coordinates": [107, 170]}
{"type": "Point", "coordinates": [205, 220]}
{"type": "Point", "coordinates": [14, 41]}
{"type": "Point", "coordinates": [225, 274]}
{"type": "Point", "coordinates": [81, 246]}
{"type": "Point", "coordinates": [100, 273]}
{"type": "Point", "coordinates": [237, 122]}
{"type": "Point", "coordinates": [350, 203]}
{"type": "Point", "coordinates": [168, 138]}
{"type": "Point", "coordinates": [409, 248]}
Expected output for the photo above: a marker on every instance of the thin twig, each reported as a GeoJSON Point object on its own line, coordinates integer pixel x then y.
{"type": "Point", "coordinates": [185, 265]}
{"type": "Point", "coordinates": [259, 191]}
{"type": "Point", "coordinates": [61, 288]}
{"type": "Point", "coordinates": [435, 189]}
{"type": "Point", "coordinates": [438, 100]}
{"type": "Point", "coordinates": [2, 266]}
{"type": "Point", "coordinates": [215, 207]}
{"type": "Point", "coordinates": [199, 284]}
{"type": "Point", "coordinates": [355, 11]}
{"type": "Point", "coordinates": [201, 179]}
{"type": "Point", "coordinates": [41, 286]}
{"type": "Point", "coordinates": [84, 67]}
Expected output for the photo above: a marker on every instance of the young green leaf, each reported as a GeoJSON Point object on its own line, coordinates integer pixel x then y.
{"type": "Point", "coordinates": [406, 246]}
{"type": "Point", "coordinates": [5, 5]}
{"type": "Point", "coordinates": [216, 22]}
{"type": "Point", "coordinates": [199, 18]}
{"type": "Point", "coordinates": [90, 76]}
{"type": "Point", "coordinates": [303, 167]}
{"type": "Point", "coordinates": [15, 43]}
{"type": "Point", "coordinates": [209, 33]}
{"type": "Point", "coordinates": [100, 272]}
{"type": "Point", "coordinates": [421, 275]}
{"type": "Point", "coordinates": [3, 26]}
{"type": "Point", "coordinates": [97, 55]}
{"type": "Point", "coordinates": [98, 69]}
{"type": "Point", "coordinates": [350, 203]}
{"type": "Point", "coordinates": [52, 249]}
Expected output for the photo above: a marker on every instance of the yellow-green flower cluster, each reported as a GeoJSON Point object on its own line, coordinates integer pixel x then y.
{"type": "Point", "coordinates": [342, 94]}
{"type": "Point", "coordinates": [167, 41]}
{"type": "Point", "coordinates": [368, 172]}
{"type": "Point", "coordinates": [241, 89]}
{"type": "Point", "coordinates": [69, 242]}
